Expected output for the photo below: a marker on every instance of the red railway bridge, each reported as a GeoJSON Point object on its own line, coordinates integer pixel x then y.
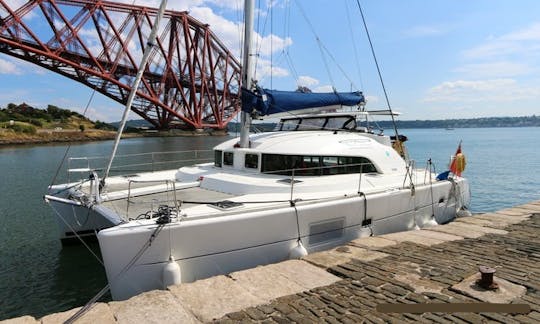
{"type": "Point", "coordinates": [191, 81]}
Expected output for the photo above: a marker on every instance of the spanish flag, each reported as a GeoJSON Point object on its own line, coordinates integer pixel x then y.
{"type": "Point", "coordinates": [458, 162]}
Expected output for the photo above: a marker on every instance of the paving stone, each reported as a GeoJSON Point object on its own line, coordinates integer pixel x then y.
{"type": "Point", "coordinates": [395, 289]}
{"type": "Point", "coordinates": [419, 283]}
{"type": "Point", "coordinates": [436, 318]}
{"type": "Point", "coordinates": [530, 206]}
{"type": "Point", "coordinates": [507, 319]}
{"type": "Point", "coordinates": [326, 259]}
{"type": "Point", "coordinates": [513, 212]}
{"type": "Point", "coordinates": [303, 273]}
{"type": "Point", "coordinates": [437, 235]}
{"type": "Point", "coordinates": [482, 222]}
{"type": "Point", "coordinates": [99, 313]}
{"type": "Point", "coordinates": [534, 315]}
{"type": "Point", "coordinates": [265, 283]}
{"type": "Point", "coordinates": [370, 281]}
{"type": "Point", "coordinates": [506, 293]}
{"type": "Point", "coordinates": [237, 316]}
{"type": "Point", "coordinates": [279, 319]}
{"type": "Point", "coordinates": [20, 320]}
{"type": "Point", "coordinates": [469, 317]}
{"type": "Point", "coordinates": [214, 297]}
{"type": "Point", "coordinates": [525, 319]}
{"type": "Point", "coordinates": [373, 242]}
{"type": "Point", "coordinates": [503, 219]}
{"type": "Point", "coordinates": [410, 237]}
{"type": "Point", "coordinates": [457, 230]}
{"type": "Point", "coordinates": [255, 314]}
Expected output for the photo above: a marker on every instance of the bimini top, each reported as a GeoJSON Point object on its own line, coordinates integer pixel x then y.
{"type": "Point", "coordinates": [269, 102]}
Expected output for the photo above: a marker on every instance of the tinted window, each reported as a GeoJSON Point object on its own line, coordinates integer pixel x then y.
{"type": "Point", "coordinates": [289, 125]}
{"type": "Point", "coordinates": [228, 158]}
{"type": "Point", "coordinates": [217, 158]}
{"type": "Point", "coordinates": [312, 123]}
{"type": "Point", "coordinates": [315, 165]}
{"type": "Point", "coordinates": [252, 161]}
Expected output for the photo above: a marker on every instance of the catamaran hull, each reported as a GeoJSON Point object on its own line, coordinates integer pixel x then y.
{"type": "Point", "coordinates": [211, 246]}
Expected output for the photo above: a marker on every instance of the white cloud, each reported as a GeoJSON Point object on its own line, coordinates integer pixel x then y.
{"type": "Point", "coordinates": [8, 67]}
{"type": "Point", "coordinates": [498, 69]}
{"type": "Point", "coordinates": [524, 42]}
{"type": "Point", "coordinates": [271, 44]}
{"type": "Point", "coordinates": [265, 69]}
{"type": "Point", "coordinates": [228, 4]}
{"type": "Point", "coordinates": [492, 90]}
{"type": "Point", "coordinates": [306, 81]}
{"type": "Point", "coordinates": [324, 88]}
{"type": "Point", "coordinates": [372, 99]}
{"type": "Point", "coordinates": [227, 31]}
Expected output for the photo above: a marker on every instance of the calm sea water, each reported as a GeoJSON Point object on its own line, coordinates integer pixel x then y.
{"type": "Point", "coordinates": [38, 276]}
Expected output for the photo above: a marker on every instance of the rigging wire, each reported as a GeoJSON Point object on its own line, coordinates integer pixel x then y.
{"type": "Point", "coordinates": [378, 69]}
{"type": "Point", "coordinates": [53, 180]}
{"type": "Point", "coordinates": [355, 50]}
{"type": "Point", "coordinates": [319, 43]}
{"type": "Point", "coordinates": [323, 49]}
{"type": "Point", "coordinates": [128, 266]}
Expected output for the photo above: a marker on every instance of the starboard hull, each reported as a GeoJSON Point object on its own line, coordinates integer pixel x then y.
{"type": "Point", "coordinates": [205, 247]}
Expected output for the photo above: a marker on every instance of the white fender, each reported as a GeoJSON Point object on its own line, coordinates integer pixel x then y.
{"type": "Point", "coordinates": [298, 252]}
{"type": "Point", "coordinates": [171, 274]}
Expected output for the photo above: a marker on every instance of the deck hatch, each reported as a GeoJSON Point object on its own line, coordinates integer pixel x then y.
{"type": "Point", "coordinates": [225, 204]}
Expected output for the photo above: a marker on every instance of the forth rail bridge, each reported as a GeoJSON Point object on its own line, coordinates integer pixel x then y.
{"type": "Point", "coordinates": [191, 81]}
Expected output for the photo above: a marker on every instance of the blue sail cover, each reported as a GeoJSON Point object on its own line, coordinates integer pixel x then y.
{"type": "Point", "coordinates": [268, 102]}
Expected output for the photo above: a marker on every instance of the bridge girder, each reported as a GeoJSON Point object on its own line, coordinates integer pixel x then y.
{"type": "Point", "coordinates": [192, 80]}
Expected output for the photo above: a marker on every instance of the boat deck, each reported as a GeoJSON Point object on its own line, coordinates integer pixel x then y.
{"type": "Point", "coordinates": [140, 205]}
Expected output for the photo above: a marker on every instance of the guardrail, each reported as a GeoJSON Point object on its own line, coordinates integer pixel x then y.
{"type": "Point", "coordinates": [139, 162]}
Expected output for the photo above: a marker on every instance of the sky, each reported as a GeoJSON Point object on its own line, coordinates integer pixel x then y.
{"type": "Point", "coordinates": [438, 59]}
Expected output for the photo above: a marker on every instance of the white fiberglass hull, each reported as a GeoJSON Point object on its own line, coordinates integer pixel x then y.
{"type": "Point", "coordinates": [207, 246]}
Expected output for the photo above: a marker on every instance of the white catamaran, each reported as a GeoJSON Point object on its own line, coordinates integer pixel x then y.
{"type": "Point", "coordinates": [317, 181]}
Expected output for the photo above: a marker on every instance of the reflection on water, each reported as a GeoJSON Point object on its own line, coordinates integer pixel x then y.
{"type": "Point", "coordinates": [38, 276]}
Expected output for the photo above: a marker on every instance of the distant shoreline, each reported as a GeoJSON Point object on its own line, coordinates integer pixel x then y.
{"type": "Point", "coordinates": [76, 136]}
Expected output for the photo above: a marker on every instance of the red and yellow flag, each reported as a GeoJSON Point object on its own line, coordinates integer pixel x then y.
{"type": "Point", "coordinates": [458, 162]}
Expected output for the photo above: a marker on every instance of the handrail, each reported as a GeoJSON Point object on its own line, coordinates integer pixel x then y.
{"type": "Point", "coordinates": [92, 162]}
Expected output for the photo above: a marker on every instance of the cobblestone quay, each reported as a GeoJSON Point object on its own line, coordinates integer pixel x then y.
{"type": "Point", "coordinates": [420, 267]}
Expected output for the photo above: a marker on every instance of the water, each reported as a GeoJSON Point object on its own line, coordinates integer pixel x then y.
{"type": "Point", "coordinates": [38, 276]}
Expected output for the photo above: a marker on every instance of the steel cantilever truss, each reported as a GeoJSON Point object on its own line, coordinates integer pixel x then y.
{"type": "Point", "coordinates": [191, 81]}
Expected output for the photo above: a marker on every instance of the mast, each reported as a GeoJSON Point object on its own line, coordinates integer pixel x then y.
{"type": "Point", "coordinates": [142, 66]}
{"type": "Point", "coordinates": [247, 68]}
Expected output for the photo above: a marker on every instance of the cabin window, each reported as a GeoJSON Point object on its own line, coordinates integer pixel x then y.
{"type": "Point", "coordinates": [228, 158]}
{"type": "Point", "coordinates": [315, 165]}
{"type": "Point", "coordinates": [341, 123]}
{"type": "Point", "coordinates": [346, 165]}
{"type": "Point", "coordinates": [251, 161]}
{"type": "Point", "coordinates": [217, 158]}
{"type": "Point", "coordinates": [289, 125]}
{"type": "Point", "coordinates": [312, 124]}
{"type": "Point", "coordinates": [309, 166]}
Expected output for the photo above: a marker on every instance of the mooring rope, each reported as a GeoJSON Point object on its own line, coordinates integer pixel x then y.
{"type": "Point", "coordinates": [104, 290]}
